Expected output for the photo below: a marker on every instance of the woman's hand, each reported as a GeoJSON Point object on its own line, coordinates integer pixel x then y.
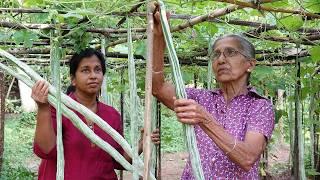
{"type": "Point", "coordinates": [40, 93]}
{"type": "Point", "coordinates": [190, 112]}
{"type": "Point", "coordinates": [155, 136]}
{"type": "Point", "coordinates": [157, 31]}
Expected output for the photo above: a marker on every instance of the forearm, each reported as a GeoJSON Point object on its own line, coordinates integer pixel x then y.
{"type": "Point", "coordinates": [240, 152]}
{"type": "Point", "coordinates": [158, 63]}
{"type": "Point", "coordinates": [44, 134]}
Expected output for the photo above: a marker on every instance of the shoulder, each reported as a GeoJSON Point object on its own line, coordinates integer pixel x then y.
{"type": "Point", "coordinates": [259, 101]}
{"type": "Point", "coordinates": [106, 109]}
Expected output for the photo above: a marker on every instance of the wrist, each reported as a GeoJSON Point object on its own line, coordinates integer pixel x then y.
{"type": "Point", "coordinates": [206, 119]}
{"type": "Point", "coordinates": [43, 105]}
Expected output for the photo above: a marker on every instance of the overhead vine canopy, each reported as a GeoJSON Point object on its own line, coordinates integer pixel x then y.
{"type": "Point", "coordinates": [281, 30]}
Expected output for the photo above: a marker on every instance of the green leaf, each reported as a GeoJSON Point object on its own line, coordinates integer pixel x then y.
{"type": "Point", "coordinates": [141, 48]}
{"type": "Point", "coordinates": [312, 172]}
{"type": "Point", "coordinates": [312, 5]}
{"type": "Point", "coordinates": [210, 28]}
{"type": "Point", "coordinates": [291, 23]}
{"type": "Point", "coordinates": [315, 53]}
{"type": "Point", "coordinates": [4, 35]}
{"type": "Point", "coordinates": [30, 3]}
{"type": "Point", "coordinates": [24, 37]}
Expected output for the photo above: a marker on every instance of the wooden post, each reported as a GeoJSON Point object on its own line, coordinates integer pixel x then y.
{"type": "Point", "coordinates": [148, 97]}
{"type": "Point", "coordinates": [2, 113]}
{"type": "Point", "coordinates": [298, 151]}
{"type": "Point", "coordinates": [158, 165]}
{"type": "Point", "coordinates": [122, 111]}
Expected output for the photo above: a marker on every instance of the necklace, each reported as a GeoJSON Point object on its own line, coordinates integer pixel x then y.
{"type": "Point", "coordinates": [91, 126]}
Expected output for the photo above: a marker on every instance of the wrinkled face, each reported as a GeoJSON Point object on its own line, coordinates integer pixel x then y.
{"type": "Point", "coordinates": [229, 61]}
{"type": "Point", "coordinates": [89, 76]}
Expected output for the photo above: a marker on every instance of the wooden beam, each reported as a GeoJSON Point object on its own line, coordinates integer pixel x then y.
{"type": "Point", "coordinates": [191, 22]}
{"type": "Point", "coordinates": [306, 40]}
{"type": "Point", "coordinates": [270, 9]}
{"type": "Point", "coordinates": [104, 31]}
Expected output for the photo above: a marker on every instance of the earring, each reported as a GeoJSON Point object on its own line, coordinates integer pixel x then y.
{"type": "Point", "coordinates": [248, 70]}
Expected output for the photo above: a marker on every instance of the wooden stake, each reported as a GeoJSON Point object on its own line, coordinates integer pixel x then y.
{"type": "Point", "coordinates": [2, 115]}
{"type": "Point", "coordinates": [148, 96]}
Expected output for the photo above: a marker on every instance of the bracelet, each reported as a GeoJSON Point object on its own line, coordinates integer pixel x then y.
{"type": "Point", "coordinates": [157, 72]}
{"type": "Point", "coordinates": [234, 146]}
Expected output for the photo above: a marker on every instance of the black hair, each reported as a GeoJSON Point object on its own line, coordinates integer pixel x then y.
{"type": "Point", "coordinates": [78, 57]}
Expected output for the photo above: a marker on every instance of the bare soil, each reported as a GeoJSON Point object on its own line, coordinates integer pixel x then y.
{"type": "Point", "coordinates": [172, 165]}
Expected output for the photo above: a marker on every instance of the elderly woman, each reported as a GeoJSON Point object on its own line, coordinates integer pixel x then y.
{"type": "Point", "coordinates": [233, 123]}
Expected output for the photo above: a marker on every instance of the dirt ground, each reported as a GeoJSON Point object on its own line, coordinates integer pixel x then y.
{"type": "Point", "coordinates": [173, 164]}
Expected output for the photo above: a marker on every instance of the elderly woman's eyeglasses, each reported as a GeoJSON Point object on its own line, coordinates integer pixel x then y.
{"type": "Point", "coordinates": [228, 52]}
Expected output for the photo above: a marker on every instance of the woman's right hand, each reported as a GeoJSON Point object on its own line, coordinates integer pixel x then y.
{"type": "Point", "coordinates": [157, 31]}
{"type": "Point", "coordinates": [40, 93]}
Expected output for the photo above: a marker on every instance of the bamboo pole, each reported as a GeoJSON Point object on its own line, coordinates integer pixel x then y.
{"type": "Point", "coordinates": [122, 110]}
{"type": "Point", "coordinates": [158, 165]}
{"type": "Point", "coordinates": [148, 95]}
{"type": "Point", "coordinates": [298, 152]}
{"type": "Point", "coordinates": [2, 116]}
{"type": "Point", "coordinates": [312, 131]}
{"type": "Point", "coordinates": [133, 104]}
{"type": "Point", "coordinates": [270, 9]}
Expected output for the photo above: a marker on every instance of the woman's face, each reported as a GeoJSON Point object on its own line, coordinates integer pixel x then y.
{"type": "Point", "coordinates": [89, 76]}
{"type": "Point", "coordinates": [229, 62]}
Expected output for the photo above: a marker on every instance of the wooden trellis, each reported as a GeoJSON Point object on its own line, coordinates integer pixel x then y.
{"type": "Point", "coordinates": [31, 55]}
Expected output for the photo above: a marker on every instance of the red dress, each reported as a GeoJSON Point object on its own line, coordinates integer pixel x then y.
{"type": "Point", "coordinates": [82, 160]}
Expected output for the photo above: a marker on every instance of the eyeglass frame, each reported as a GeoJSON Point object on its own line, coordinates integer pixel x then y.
{"type": "Point", "coordinates": [223, 53]}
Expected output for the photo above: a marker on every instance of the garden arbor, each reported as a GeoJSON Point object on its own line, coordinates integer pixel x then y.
{"type": "Point", "coordinates": [286, 35]}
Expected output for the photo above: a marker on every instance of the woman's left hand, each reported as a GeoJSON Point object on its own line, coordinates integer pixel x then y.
{"type": "Point", "coordinates": [188, 111]}
{"type": "Point", "coordinates": [155, 136]}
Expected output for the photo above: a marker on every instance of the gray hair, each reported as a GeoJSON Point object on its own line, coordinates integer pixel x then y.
{"type": "Point", "coordinates": [245, 45]}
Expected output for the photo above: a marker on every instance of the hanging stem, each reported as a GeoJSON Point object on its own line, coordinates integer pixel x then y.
{"type": "Point", "coordinates": [55, 56]}
{"type": "Point", "coordinates": [181, 93]}
{"type": "Point", "coordinates": [133, 104]}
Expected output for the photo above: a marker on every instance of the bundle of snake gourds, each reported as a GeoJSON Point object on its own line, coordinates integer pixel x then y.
{"type": "Point", "coordinates": [29, 77]}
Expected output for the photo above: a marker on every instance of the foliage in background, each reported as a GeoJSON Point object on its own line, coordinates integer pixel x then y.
{"type": "Point", "coordinates": [18, 158]}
